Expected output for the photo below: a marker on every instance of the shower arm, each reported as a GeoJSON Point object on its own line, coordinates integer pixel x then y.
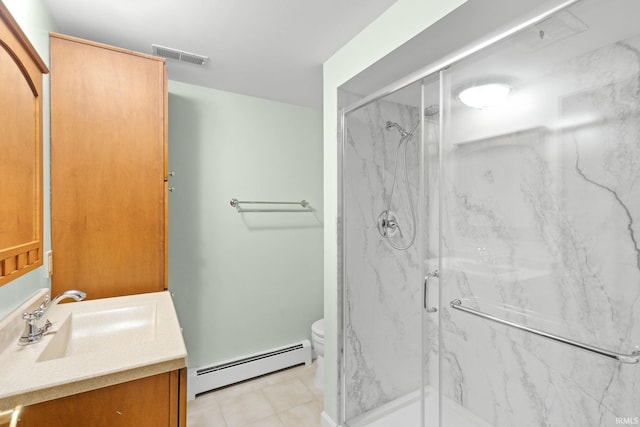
{"type": "Point", "coordinates": [632, 358]}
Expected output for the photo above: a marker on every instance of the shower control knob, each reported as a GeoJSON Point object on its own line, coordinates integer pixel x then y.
{"type": "Point", "coordinates": [387, 224]}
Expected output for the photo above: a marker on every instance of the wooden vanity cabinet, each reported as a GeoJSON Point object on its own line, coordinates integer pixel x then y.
{"type": "Point", "coordinates": [155, 401]}
{"type": "Point", "coordinates": [108, 169]}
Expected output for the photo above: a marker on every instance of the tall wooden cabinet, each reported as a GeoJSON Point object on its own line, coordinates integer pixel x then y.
{"type": "Point", "coordinates": [108, 169]}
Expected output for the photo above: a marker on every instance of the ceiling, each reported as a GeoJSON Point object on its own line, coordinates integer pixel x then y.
{"type": "Point", "coordinates": [271, 49]}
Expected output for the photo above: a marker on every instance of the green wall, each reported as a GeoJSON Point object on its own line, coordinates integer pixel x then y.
{"type": "Point", "coordinates": [36, 23]}
{"type": "Point", "coordinates": [242, 283]}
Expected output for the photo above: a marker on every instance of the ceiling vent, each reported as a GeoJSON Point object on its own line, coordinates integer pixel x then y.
{"type": "Point", "coordinates": [179, 55]}
{"type": "Point", "coordinates": [549, 31]}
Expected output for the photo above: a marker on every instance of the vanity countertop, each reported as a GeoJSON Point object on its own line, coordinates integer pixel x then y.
{"type": "Point", "coordinates": [92, 344]}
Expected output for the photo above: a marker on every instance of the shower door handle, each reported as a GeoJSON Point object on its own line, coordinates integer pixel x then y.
{"type": "Point", "coordinates": [425, 298]}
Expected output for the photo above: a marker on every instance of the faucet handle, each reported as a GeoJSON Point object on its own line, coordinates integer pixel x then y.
{"type": "Point", "coordinates": [43, 307]}
{"type": "Point", "coordinates": [44, 303]}
{"type": "Point", "coordinates": [46, 326]}
{"type": "Point", "coordinates": [30, 317]}
{"type": "Point", "coordinates": [38, 312]}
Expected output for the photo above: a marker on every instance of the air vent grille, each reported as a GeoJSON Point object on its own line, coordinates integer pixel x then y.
{"type": "Point", "coordinates": [551, 30]}
{"type": "Point", "coordinates": [179, 55]}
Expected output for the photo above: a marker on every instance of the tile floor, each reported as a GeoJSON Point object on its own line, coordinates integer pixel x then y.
{"type": "Point", "coordinates": [286, 398]}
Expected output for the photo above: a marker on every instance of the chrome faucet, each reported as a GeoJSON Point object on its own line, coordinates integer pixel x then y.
{"type": "Point", "coordinates": [34, 328]}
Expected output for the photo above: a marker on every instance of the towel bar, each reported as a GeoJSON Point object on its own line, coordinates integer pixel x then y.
{"type": "Point", "coordinates": [236, 204]}
{"type": "Point", "coordinates": [633, 357]}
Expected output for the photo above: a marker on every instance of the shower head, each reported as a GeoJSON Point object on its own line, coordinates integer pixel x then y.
{"type": "Point", "coordinates": [391, 125]}
{"type": "Point", "coordinates": [432, 110]}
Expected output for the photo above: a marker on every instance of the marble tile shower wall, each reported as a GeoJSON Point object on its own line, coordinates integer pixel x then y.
{"type": "Point", "coordinates": [549, 221]}
{"type": "Point", "coordinates": [382, 303]}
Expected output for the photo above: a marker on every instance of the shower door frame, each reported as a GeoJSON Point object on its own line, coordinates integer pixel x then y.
{"type": "Point", "coordinates": [342, 248]}
{"type": "Point", "coordinates": [436, 68]}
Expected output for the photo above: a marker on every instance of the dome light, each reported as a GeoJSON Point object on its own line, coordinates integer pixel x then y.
{"type": "Point", "coordinates": [484, 95]}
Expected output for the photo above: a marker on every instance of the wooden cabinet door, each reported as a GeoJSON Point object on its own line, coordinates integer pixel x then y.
{"type": "Point", "coordinates": [148, 401]}
{"type": "Point", "coordinates": [21, 70]}
{"type": "Point", "coordinates": [107, 169]}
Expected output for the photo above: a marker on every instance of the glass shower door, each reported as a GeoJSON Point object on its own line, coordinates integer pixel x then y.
{"type": "Point", "coordinates": [382, 286]}
{"type": "Point", "coordinates": [540, 196]}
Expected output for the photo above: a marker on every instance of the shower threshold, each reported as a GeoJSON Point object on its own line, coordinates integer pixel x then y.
{"type": "Point", "coordinates": [405, 411]}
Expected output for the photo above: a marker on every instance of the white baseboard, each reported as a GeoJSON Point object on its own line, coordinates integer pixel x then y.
{"type": "Point", "coordinates": [204, 379]}
{"type": "Point", "coordinates": [327, 421]}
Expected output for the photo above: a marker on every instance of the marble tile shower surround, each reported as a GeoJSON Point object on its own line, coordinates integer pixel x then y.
{"type": "Point", "coordinates": [548, 221]}
{"type": "Point", "coordinates": [382, 303]}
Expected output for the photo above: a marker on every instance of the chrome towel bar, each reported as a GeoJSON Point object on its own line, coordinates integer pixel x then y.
{"type": "Point", "coordinates": [236, 204]}
{"type": "Point", "coordinates": [634, 357]}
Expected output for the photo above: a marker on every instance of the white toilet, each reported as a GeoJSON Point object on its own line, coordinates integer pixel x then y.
{"type": "Point", "coordinates": [317, 343]}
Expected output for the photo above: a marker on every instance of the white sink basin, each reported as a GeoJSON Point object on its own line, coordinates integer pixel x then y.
{"type": "Point", "coordinates": [100, 330]}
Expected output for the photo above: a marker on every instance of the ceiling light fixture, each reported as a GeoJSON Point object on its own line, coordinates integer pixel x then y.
{"type": "Point", "coordinates": [484, 95]}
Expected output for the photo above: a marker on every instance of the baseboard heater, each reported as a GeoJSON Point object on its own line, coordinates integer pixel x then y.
{"type": "Point", "coordinates": [204, 379]}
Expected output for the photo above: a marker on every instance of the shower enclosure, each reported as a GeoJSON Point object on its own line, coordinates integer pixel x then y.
{"type": "Point", "coordinates": [491, 232]}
